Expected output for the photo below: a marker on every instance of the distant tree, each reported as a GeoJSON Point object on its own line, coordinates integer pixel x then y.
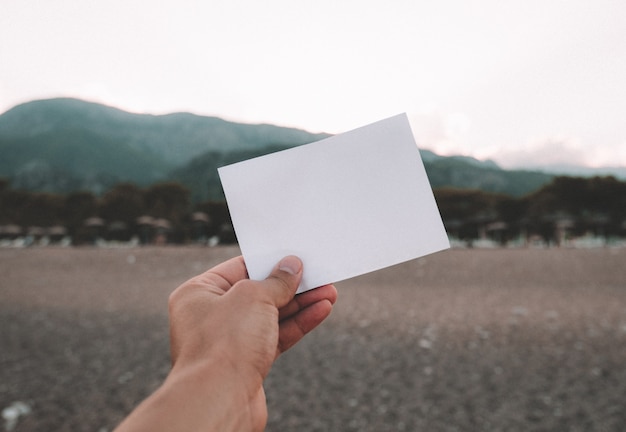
{"type": "Point", "coordinates": [220, 222]}
{"type": "Point", "coordinates": [596, 204]}
{"type": "Point", "coordinates": [124, 203]}
{"type": "Point", "coordinates": [168, 200]}
{"type": "Point", "coordinates": [40, 209]}
{"type": "Point", "coordinates": [512, 213]}
{"type": "Point", "coordinates": [77, 208]}
{"type": "Point", "coordinates": [511, 210]}
{"type": "Point", "coordinates": [5, 184]}
{"type": "Point", "coordinates": [30, 209]}
{"type": "Point", "coordinates": [465, 212]}
{"type": "Point", "coordinates": [606, 205]}
{"type": "Point", "coordinates": [563, 194]}
{"type": "Point", "coordinates": [12, 205]}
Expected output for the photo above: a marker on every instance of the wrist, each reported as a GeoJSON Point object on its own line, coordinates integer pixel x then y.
{"type": "Point", "coordinates": [200, 396]}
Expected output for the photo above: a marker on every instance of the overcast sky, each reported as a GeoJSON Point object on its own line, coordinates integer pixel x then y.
{"type": "Point", "coordinates": [522, 82]}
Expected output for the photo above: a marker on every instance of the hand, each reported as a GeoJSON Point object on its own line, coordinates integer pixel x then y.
{"type": "Point", "coordinates": [226, 331]}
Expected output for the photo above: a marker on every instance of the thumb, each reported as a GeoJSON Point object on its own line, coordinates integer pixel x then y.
{"type": "Point", "coordinates": [282, 283]}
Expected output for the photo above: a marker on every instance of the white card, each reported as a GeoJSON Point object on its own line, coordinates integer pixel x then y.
{"type": "Point", "coordinates": [346, 205]}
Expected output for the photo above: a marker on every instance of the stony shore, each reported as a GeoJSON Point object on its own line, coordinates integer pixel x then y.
{"type": "Point", "coordinates": [463, 340]}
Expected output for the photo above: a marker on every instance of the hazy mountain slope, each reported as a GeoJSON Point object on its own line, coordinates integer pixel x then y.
{"type": "Point", "coordinates": [175, 138]}
{"type": "Point", "coordinates": [429, 156]}
{"type": "Point", "coordinates": [81, 153]}
{"type": "Point", "coordinates": [201, 177]}
{"type": "Point", "coordinates": [581, 171]}
{"type": "Point", "coordinates": [60, 145]}
{"type": "Point", "coordinates": [464, 174]}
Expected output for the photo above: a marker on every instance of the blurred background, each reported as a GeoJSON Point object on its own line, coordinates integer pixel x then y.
{"type": "Point", "coordinates": [115, 116]}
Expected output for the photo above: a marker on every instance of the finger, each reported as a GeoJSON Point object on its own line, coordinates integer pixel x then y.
{"type": "Point", "coordinates": [294, 328]}
{"type": "Point", "coordinates": [307, 298]}
{"type": "Point", "coordinates": [281, 285]}
{"type": "Point", "coordinates": [224, 275]}
{"type": "Point", "coordinates": [215, 281]}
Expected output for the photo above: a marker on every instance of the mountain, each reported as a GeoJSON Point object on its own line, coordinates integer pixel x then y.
{"type": "Point", "coordinates": [468, 173]}
{"type": "Point", "coordinates": [581, 171]}
{"type": "Point", "coordinates": [462, 172]}
{"type": "Point", "coordinates": [79, 153]}
{"type": "Point", "coordinates": [61, 145]}
{"type": "Point", "coordinates": [429, 156]}
{"type": "Point", "coordinates": [84, 139]}
{"type": "Point", "coordinates": [201, 177]}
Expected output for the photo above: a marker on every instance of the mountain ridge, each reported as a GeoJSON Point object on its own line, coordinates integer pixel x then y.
{"type": "Point", "coordinates": [157, 134]}
{"type": "Point", "coordinates": [64, 144]}
{"type": "Point", "coordinates": [85, 145]}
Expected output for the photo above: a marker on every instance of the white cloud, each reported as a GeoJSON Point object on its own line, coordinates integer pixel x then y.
{"type": "Point", "coordinates": [444, 133]}
{"type": "Point", "coordinates": [606, 155]}
{"type": "Point", "coordinates": [516, 69]}
{"type": "Point", "coordinates": [557, 150]}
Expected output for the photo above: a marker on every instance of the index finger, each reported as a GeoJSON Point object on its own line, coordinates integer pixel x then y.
{"type": "Point", "coordinates": [226, 274]}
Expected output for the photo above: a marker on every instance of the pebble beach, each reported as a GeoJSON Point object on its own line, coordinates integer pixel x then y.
{"type": "Point", "coordinates": [527, 339]}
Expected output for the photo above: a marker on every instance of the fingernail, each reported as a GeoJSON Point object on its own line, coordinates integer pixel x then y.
{"type": "Point", "coordinates": [290, 264]}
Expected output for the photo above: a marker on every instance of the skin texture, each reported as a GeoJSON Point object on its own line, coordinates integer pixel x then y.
{"type": "Point", "coordinates": [226, 331]}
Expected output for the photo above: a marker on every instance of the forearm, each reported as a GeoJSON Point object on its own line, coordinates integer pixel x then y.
{"type": "Point", "coordinates": [192, 399]}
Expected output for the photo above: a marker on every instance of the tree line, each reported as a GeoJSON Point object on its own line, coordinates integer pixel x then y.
{"type": "Point", "coordinates": [162, 212]}
{"type": "Point", "coordinates": [568, 207]}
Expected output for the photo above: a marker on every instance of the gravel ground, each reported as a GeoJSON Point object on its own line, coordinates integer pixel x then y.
{"type": "Point", "coordinates": [463, 340]}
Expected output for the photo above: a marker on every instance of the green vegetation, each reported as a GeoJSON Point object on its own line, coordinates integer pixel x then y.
{"type": "Point", "coordinates": [123, 212]}
{"type": "Point", "coordinates": [201, 176]}
{"type": "Point", "coordinates": [80, 154]}
{"type": "Point", "coordinates": [461, 173]}
{"type": "Point", "coordinates": [566, 207]}
{"type": "Point", "coordinates": [67, 161]}
{"type": "Point", "coordinates": [66, 145]}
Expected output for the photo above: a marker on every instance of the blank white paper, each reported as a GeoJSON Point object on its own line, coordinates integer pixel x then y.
{"type": "Point", "coordinates": [346, 205]}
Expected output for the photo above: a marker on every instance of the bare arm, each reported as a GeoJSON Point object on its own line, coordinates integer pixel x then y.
{"type": "Point", "coordinates": [225, 332]}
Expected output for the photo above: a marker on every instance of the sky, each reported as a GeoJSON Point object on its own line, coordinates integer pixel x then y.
{"type": "Point", "coordinates": [525, 83]}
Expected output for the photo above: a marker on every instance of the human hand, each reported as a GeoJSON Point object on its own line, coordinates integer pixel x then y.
{"type": "Point", "coordinates": [226, 331]}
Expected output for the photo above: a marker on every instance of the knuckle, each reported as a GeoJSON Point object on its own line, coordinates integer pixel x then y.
{"type": "Point", "coordinates": [282, 283]}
